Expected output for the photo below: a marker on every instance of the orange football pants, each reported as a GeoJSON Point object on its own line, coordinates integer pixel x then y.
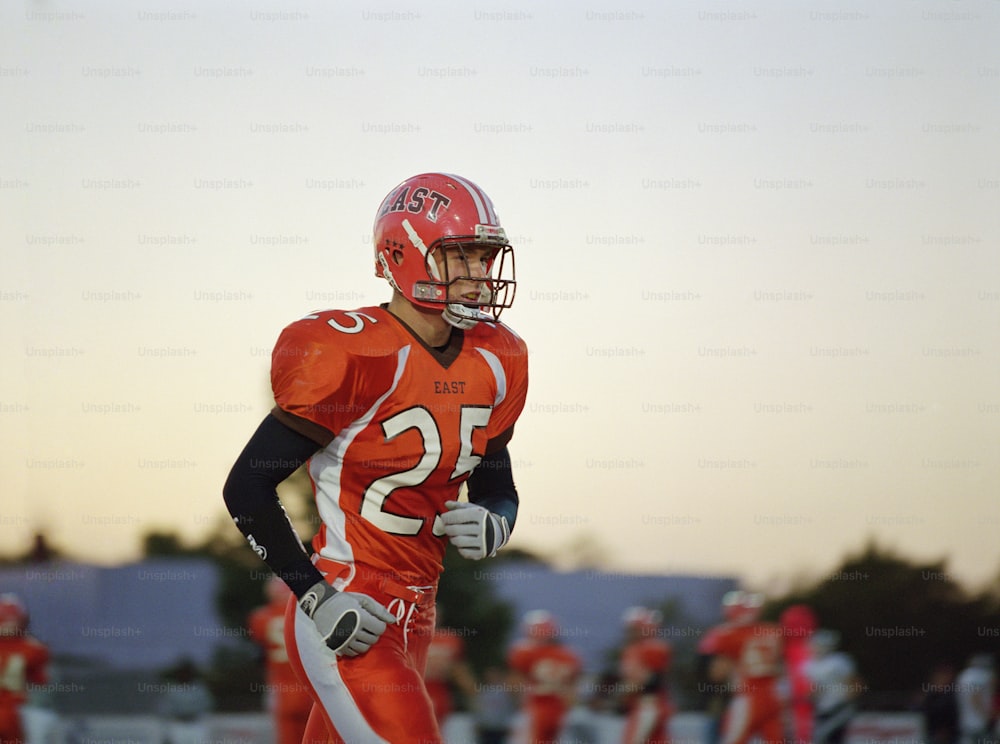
{"type": "Point", "coordinates": [646, 722]}
{"type": "Point", "coordinates": [759, 713]}
{"type": "Point", "coordinates": [380, 695]}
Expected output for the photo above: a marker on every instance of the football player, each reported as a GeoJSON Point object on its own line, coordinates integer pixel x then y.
{"type": "Point", "coordinates": [747, 653]}
{"type": "Point", "coordinates": [546, 671]}
{"type": "Point", "coordinates": [23, 662]}
{"type": "Point", "coordinates": [642, 668]}
{"type": "Point", "coordinates": [447, 673]}
{"type": "Point", "coordinates": [835, 687]}
{"type": "Point", "coordinates": [395, 407]}
{"type": "Point", "coordinates": [798, 622]}
{"type": "Point", "coordinates": [288, 699]}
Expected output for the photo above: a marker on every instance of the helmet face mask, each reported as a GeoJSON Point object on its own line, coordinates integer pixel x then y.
{"type": "Point", "coordinates": [439, 243]}
{"type": "Point", "coordinates": [742, 607]}
{"type": "Point", "coordinates": [642, 622]}
{"type": "Point", "coordinates": [540, 625]}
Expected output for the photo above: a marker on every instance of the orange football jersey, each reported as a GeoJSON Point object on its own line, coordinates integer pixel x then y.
{"type": "Point", "coordinates": [550, 669]}
{"type": "Point", "coordinates": [444, 652]}
{"type": "Point", "coordinates": [410, 425]}
{"type": "Point", "coordinates": [23, 661]}
{"type": "Point", "coordinates": [643, 658]}
{"type": "Point", "coordinates": [446, 649]}
{"type": "Point", "coordinates": [267, 629]}
{"type": "Point", "coordinates": [756, 650]}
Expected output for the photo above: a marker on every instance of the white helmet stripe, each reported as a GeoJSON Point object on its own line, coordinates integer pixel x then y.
{"type": "Point", "coordinates": [419, 244]}
{"type": "Point", "coordinates": [483, 205]}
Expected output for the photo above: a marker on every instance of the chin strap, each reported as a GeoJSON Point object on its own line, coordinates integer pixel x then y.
{"type": "Point", "coordinates": [463, 316]}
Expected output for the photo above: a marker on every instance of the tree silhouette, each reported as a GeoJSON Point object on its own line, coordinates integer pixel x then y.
{"type": "Point", "coordinates": [898, 619]}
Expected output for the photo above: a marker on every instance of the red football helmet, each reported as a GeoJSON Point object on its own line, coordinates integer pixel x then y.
{"type": "Point", "coordinates": [742, 607]}
{"type": "Point", "coordinates": [540, 625]}
{"type": "Point", "coordinates": [13, 615]}
{"type": "Point", "coordinates": [434, 211]}
{"type": "Point", "coordinates": [798, 621]}
{"type": "Point", "coordinates": [642, 621]}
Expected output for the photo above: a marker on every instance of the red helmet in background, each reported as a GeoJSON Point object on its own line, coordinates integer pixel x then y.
{"type": "Point", "coordinates": [798, 621]}
{"type": "Point", "coordinates": [540, 625]}
{"type": "Point", "coordinates": [13, 615]}
{"type": "Point", "coordinates": [642, 621]}
{"type": "Point", "coordinates": [742, 607]}
{"type": "Point", "coordinates": [427, 213]}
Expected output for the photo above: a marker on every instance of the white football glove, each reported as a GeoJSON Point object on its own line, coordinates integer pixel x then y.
{"type": "Point", "coordinates": [474, 530]}
{"type": "Point", "coordinates": [349, 622]}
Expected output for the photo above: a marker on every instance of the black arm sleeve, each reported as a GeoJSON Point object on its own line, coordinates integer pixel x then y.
{"type": "Point", "coordinates": [273, 453]}
{"type": "Point", "coordinates": [491, 485]}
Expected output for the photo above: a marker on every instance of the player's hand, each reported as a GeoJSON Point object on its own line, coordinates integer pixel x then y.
{"type": "Point", "coordinates": [474, 530]}
{"type": "Point", "coordinates": [349, 622]}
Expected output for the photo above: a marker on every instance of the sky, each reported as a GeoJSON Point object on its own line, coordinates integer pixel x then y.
{"type": "Point", "coordinates": [756, 248]}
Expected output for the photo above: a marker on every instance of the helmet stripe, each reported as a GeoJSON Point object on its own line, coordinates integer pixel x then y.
{"type": "Point", "coordinates": [419, 244]}
{"type": "Point", "coordinates": [483, 205]}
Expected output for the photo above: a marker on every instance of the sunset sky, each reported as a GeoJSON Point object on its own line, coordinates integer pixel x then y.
{"type": "Point", "coordinates": [757, 258]}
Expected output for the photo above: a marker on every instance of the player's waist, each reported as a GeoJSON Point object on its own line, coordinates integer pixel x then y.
{"type": "Point", "coordinates": [757, 684]}
{"type": "Point", "coordinates": [405, 585]}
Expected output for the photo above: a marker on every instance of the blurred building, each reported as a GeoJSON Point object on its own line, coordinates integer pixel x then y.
{"type": "Point", "coordinates": [589, 603]}
{"type": "Point", "coordinates": [143, 615]}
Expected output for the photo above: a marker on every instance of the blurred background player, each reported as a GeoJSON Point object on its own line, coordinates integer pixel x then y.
{"type": "Point", "coordinates": [643, 668]}
{"type": "Point", "coordinates": [23, 663]}
{"type": "Point", "coordinates": [446, 673]}
{"type": "Point", "coordinates": [713, 695]}
{"type": "Point", "coordinates": [288, 700]}
{"type": "Point", "coordinates": [975, 689]}
{"type": "Point", "coordinates": [835, 687]}
{"type": "Point", "coordinates": [546, 670]}
{"type": "Point", "coordinates": [798, 622]}
{"type": "Point", "coordinates": [747, 653]}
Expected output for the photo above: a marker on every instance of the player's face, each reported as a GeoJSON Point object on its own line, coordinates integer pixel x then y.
{"type": "Point", "coordinates": [465, 267]}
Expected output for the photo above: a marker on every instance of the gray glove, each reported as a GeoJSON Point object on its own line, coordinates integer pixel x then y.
{"type": "Point", "coordinates": [476, 531]}
{"type": "Point", "coordinates": [349, 622]}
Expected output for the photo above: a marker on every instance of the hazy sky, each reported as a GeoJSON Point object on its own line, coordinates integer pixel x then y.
{"type": "Point", "coordinates": [757, 255]}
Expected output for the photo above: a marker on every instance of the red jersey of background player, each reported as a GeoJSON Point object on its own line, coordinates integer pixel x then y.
{"type": "Point", "coordinates": [547, 671]}
{"type": "Point", "coordinates": [799, 623]}
{"type": "Point", "coordinates": [642, 669]}
{"type": "Point", "coordinates": [749, 654]}
{"type": "Point", "coordinates": [288, 699]}
{"type": "Point", "coordinates": [446, 671]}
{"type": "Point", "coordinates": [381, 484]}
{"type": "Point", "coordinates": [23, 661]}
